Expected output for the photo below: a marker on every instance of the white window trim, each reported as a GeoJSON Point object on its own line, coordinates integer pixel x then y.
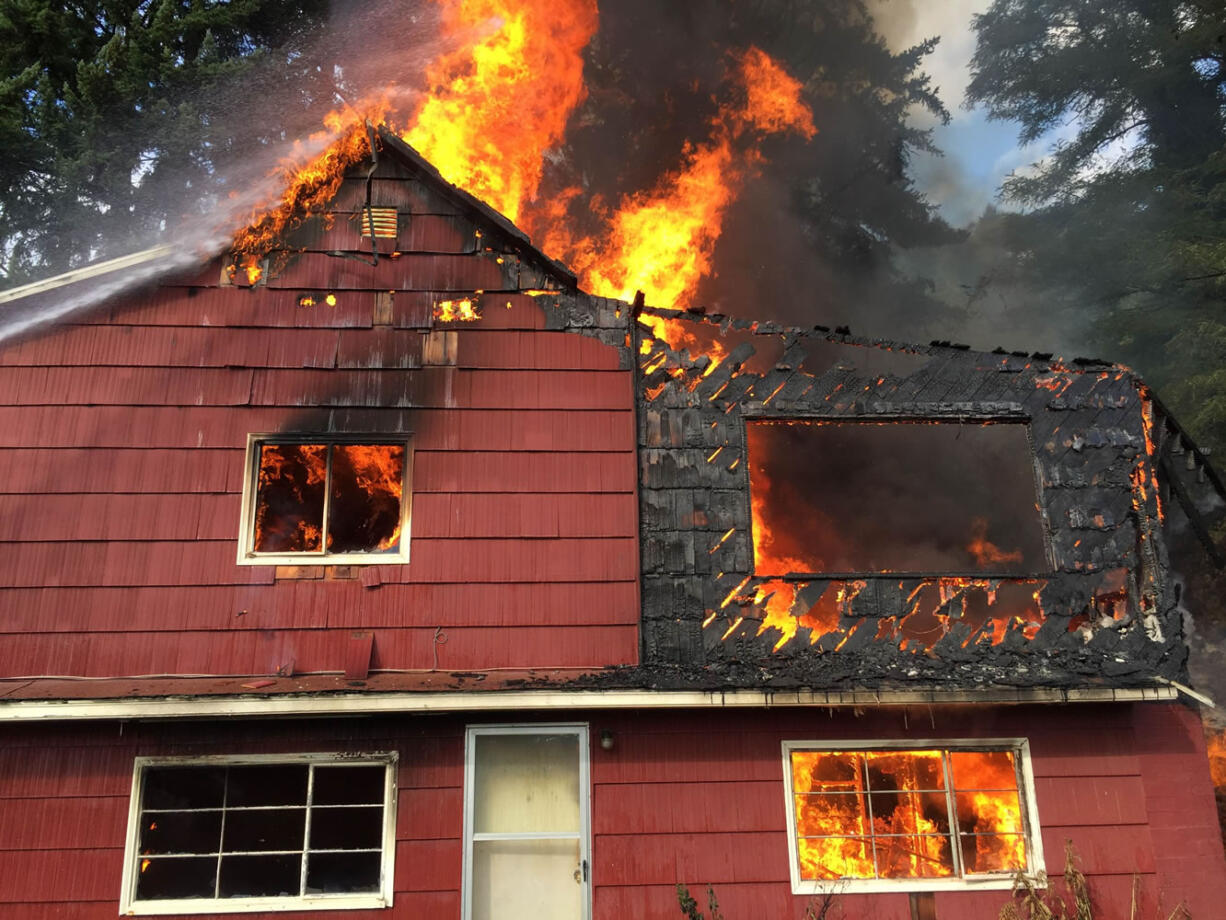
{"type": "Point", "coordinates": [130, 906]}
{"type": "Point", "coordinates": [1030, 817]}
{"type": "Point", "coordinates": [579, 730]}
{"type": "Point", "coordinates": [246, 533]}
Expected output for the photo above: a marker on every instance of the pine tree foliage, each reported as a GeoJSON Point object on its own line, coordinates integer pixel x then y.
{"type": "Point", "coordinates": [113, 113]}
{"type": "Point", "coordinates": [1124, 227]}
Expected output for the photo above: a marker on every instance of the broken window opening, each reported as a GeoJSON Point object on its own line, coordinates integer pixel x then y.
{"type": "Point", "coordinates": [901, 496]}
{"type": "Point", "coordinates": [265, 832]}
{"type": "Point", "coordinates": [892, 818]}
{"type": "Point", "coordinates": [312, 498]}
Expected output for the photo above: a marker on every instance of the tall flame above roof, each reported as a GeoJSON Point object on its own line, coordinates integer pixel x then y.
{"type": "Point", "coordinates": [661, 241]}
{"type": "Point", "coordinates": [502, 97]}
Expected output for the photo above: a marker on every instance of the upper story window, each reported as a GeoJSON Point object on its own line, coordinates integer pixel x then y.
{"type": "Point", "coordinates": [896, 496]}
{"type": "Point", "coordinates": [325, 499]}
{"type": "Point", "coordinates": [894, 817]}
{"type": "Point", "coordinates": [228, 834]}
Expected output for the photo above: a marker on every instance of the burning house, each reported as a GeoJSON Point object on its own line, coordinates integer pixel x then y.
{"type": "Point", "coordinates": [373, 564]}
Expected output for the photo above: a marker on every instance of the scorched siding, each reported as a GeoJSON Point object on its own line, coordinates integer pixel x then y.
{"type": "Point", "coordinates": [122, 437]}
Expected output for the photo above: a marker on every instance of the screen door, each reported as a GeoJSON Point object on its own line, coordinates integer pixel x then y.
{"type": "Point", "coordinates": [526, 823]}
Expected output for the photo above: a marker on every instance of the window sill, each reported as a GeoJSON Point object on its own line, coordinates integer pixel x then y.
{"type": "Point", "coordinates": [338, 562]}
{"type": "Point", "coordinates": [907, 885]}
{"type": "Point", "coordinates": [248, 905]}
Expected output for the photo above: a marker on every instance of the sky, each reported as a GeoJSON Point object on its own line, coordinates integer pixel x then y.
{"type": "Point", "coordinates": [978, 153]}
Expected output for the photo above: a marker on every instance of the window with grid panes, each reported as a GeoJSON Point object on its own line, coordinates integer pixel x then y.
{"type": "Point", "coordinates": [311, 831]}
{"type": "Point", "coordinates": [910, 818]}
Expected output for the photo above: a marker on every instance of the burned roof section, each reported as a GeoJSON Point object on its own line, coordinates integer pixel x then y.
{"type": "Point", "coordinates": [824, 511]}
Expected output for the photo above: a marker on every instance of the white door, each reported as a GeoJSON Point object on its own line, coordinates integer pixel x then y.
{"type": "Point", "coordinates": [526, 823]}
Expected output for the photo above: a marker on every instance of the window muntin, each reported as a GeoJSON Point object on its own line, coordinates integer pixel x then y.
{"type": "Point", "coordinates": [894, 496]}
{"type": "Point", "coordinates": [260, 833]}
{"type": "Point", "coordinates": [325, 499]}
{"type": "Point", "coordinates": [907, 817]}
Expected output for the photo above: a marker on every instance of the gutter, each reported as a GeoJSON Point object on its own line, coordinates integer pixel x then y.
{"type": "Point", "coordinates": [368, 704]}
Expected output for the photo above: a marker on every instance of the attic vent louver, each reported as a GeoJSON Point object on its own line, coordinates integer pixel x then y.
{"type": "Point", "coordinates": [384, 221]}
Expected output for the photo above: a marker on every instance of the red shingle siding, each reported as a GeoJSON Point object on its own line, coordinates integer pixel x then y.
{"type": "Point", "coordinates": [693, 797]}
{"type": "Point", "coordinates": [122, 437]}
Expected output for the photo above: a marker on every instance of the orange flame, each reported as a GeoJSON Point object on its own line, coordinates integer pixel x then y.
{"type": "Point", "coordinates": [310, 181]}
{"type": "Point", "coordinates": [365, 485]}
{"type": "Point", "coordinates": [905, 832]}
{"type": "Point", "coordinates": [778, 600]}
{"type": "Point", "coordinates": [1217, 758]}
{"type": "Point", "coordinates": [503, 97]}
{"type": "Point", "coordinates": [464, 311]}
{"type": "Point", "coordinates": [661, 241]}
{"type": "Point", "coordinates": [985, 552]}
{"type": "Point", "coordinates": [377, 472]}
{"type": "Point", "coordinates": [289, 504]}
{"type": "Point", "coordinates": [768, 559]}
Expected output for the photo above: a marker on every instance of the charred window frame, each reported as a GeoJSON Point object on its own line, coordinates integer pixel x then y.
{"type": "Point", "coordinates": [956, 839]}
{"type": "Point", "coordinates": [1037, 561]}
{"type": "Point", "coordinates": [230, 834]}
{"type": "Point", "coordinates": [324, 448]}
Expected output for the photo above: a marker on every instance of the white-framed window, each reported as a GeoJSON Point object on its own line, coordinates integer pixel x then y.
{"type": "Point", "coordinates": [910, 815]}
{"type": "Point", "coordinates": [527, 822]}
{"type": "Point", "coordinates": [325, 498]}
{"type": "Point", "coordinates": [260, 833]}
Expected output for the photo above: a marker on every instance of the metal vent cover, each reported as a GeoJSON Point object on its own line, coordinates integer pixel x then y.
{"type": "Point", "coordinates": [384, 221]}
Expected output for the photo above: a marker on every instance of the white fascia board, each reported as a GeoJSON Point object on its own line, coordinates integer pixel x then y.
{"type": "Point", "coordinates": [87, 272]}
{"type": "Point", "coordinates": [351, 704]}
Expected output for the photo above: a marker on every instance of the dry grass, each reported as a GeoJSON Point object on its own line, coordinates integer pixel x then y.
{"type": "Point", "coordinates": [1033, 903]}
{"type": "Point", "coordinates": [818, 907]}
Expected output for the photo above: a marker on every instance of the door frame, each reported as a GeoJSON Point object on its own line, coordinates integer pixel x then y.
{"type": "Point", "coordinates": [580, 731]}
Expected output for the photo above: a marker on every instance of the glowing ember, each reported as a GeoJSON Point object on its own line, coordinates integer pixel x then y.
{"type": "Point", "coordinates": [780, 599]}
{"type": "Point", "coordinates": [886, 814]}
{"type": "Point", "coordinates": [502, 98]}
{"type": "Point", "coordinates": [462, 311]}
{"type": "Point", "coordinates": [989, 610]}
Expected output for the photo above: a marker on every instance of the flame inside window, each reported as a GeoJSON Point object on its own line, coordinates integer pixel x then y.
{"type": "Point", "coordinates": [921, 814]}
{"type": "Point", "coordinates": [898, 496]}
{"type": "Point", "coordinates": [333, 498]}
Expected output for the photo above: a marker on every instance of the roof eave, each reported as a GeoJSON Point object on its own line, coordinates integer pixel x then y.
{"type": "Point", "coordinates": [373, 704]}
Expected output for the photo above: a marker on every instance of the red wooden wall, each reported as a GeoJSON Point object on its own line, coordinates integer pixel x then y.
{"type": "Point", "coordinates": [694, 797]}
{"type": "Point", "coordinates": [122, 435]}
